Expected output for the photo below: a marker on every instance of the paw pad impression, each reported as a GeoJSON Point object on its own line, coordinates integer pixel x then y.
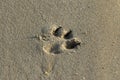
{"type": "Point", "coordinates": [60, 40]}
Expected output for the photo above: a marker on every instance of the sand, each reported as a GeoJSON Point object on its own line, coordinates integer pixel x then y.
{"type": "Point", "coordinates": [59, 40]}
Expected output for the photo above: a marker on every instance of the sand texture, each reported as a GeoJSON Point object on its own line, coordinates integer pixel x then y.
{"type": "Point", "coordinates": [59, 39]}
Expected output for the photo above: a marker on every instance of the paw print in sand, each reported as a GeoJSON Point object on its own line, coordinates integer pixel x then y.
{"type": "Point", "coordinates": [57, 39]}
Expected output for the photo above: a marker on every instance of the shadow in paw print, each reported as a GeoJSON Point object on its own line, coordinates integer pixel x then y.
{"type": "Point", "coordinates": [72, 44]}
{"type": "Point", "coordinates": [68, 35]}
{"type": "Point", "coordinates": [58, 32]}
{"type": "Point", "coordinates": [56, 49]}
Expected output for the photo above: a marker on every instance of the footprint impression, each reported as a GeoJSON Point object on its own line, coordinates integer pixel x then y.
{"type": "Point", "coordinates": [55, 42]}
{"type": "Point", "coordinates": [58, 40]}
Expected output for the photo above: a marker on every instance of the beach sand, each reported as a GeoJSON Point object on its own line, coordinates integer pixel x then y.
{"type": "Point", "coordinates": [59, 40]}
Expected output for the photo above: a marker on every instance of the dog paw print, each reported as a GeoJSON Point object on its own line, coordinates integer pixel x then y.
{"type": "Point", "coordinates": [57, 39]}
